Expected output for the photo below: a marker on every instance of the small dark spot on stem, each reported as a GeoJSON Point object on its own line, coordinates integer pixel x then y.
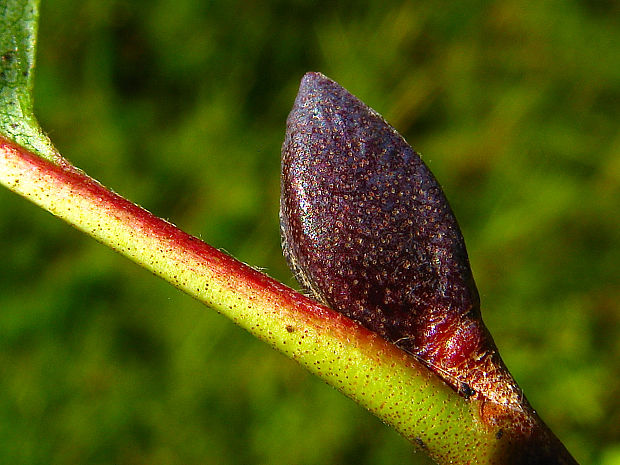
{"type": "Point", "coordinates": [499, 434]}
{"type": "Point", "coordinates": [8, 57]}
{"type": "Point", "coordinates": [419, 443]}
{"type": "Point", "coordinates": [466, 391]}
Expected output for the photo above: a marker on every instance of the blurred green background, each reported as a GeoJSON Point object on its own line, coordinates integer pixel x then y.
{"type": "Point", "coordinates": [181, 105]}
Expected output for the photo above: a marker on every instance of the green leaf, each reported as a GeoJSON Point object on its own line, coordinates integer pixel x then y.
{"type": "Point", "coordinates": [18, 23]}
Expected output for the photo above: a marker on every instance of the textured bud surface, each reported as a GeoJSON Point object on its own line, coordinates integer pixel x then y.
{"type": "Point", "coordinates": [368, 230]}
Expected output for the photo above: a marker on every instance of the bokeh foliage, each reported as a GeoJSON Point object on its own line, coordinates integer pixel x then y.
{"type": "Point", "coordinates": [180, 106]}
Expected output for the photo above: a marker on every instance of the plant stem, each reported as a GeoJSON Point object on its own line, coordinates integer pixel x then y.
{"type": "Point", "coordinates": [373, 372]}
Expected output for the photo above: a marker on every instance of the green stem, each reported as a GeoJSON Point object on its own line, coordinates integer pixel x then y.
{"type": "Point", "coordinates": [371, 371]}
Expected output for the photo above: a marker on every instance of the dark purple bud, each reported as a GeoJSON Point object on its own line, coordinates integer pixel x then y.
{"type": "Point", "coordinates": [368, 230]}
